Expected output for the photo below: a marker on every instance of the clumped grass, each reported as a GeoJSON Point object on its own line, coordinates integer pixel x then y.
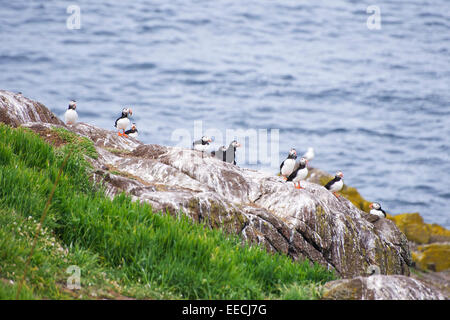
{"type": "Point", "coordinates": [8, 290]}
{"type": "Point", "coordinates": [77, 143]}
{"type": "Point", "coordinates": [120, 152]}
{"type": "Point", "coordinates": [124, 244]}
{"type": "Point", "coordinates": [295, 291]}
{"type": "Point", "coordinates": [47, 276]}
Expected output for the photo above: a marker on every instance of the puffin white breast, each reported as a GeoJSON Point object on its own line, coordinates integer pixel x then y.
{"type": "Point", "coordinates": [301, 174]}
{"type": "Point", "coordinates": [288, 167]}
{"type": "Point", "coordinates": [71, 116]}
{"type": "Point", "coordinates": [123, 123]}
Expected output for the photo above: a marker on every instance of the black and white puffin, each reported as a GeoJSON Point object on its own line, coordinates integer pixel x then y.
{"type": "Point", "coordinates": [288, 165]}
{"type": "Point", "coordinates": [300, 173]}
{"type": "Point", "coordinates": [123, 122]}
{"type": "Point", "coordinates": [133, 132]}
{"type": "Point", "coordinates": [202, 144]}
{"type": "Point", "coordinates": [375, 208]}
{"type": "Point", "coordinates": [71, 115]}
{"type": "Point", "coordinates": [230, 154]}
{"type": "Point", "coordinates": [220, 154]}
{"type": "Point", "coordinates": [336, 184]}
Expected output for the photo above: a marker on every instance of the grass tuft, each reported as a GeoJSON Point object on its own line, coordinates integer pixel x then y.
{"type": "Point", "coordinates": [77, 143]}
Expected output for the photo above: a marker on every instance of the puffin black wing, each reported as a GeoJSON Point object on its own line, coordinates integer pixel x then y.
{"type": "Point", "coordinates": [123, 115]}
{"type": "Point", "coordinates": [384, 212]}
{"type": "Point", "coordinates": [331, 182]}
{"type": "Point", "coordinates": [115, 123]}
{"type": "Point", "coordinates": [131, 131]}
{"type": "Point", "coordinates": [293, 174]}
{"type": "Point", "coordinates": [230, 154]}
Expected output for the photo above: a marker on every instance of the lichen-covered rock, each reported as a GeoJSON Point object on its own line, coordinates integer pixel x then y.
{"type": "Point", "coordinates": [309, 224]}
{"type": "Point", "coordinates": [433, 257]}
{"type": "Point", "coordinates": [381, 287]}
{"type": "Point", "coordinates": [438, 233]}
{"type": "Point", "coordinates": [416, 230]}
{"type": "Point", "coordinates": [412, 225]}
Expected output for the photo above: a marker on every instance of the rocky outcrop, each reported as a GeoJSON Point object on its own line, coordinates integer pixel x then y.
{"type": "Point", "coordinates": [15, 110]}
{"type": "Point", "coordinates": [432, 257]}
{"type": "Point", "coordinates": [439, 281]}
{"type": "Point", "coordinates": [305, 224]}
{"type": "Point", "coordinates": [416, 230]}
{"type": "Point", "coordinates": [429, 243]}
{"type": "Point", "coordinates": [381, 287]}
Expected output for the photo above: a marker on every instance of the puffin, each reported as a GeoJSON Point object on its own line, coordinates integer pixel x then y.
{"type": "Point", "coordinates": [288, 165]}
{"type": "Point", "coordinates": [309, 154]}
{"type": "Point", "coordinates": [122, 122]}
{"type": "Point", "coordinates": [71, 115]}
{"type": "Point", "coordinates": [299, 174]}
{"type": "Point", "coordinates": [220, 154]}
{"type": "Point", "coordinates": [375, 208]}
{"type": "Point", "coordinates": [230, 153]}
{"type": "Point", "coordinates": [202, 144]}
{"type": "Point", "coordinates": [336, 184]}
{"type": "Point", "coordinates": [133, 132]}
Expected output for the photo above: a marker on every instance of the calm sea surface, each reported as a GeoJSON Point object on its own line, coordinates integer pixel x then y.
{"type": "Point", "coordinates": [373, 103]}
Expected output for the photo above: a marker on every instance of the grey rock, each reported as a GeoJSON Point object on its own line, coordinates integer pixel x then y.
{"type": "Point", "coordinates": [381, 287]}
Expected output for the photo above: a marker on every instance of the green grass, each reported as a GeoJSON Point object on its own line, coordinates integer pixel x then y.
{"type": "Point", "coordinates": [77, 143]}
{"type": "Point", "coordinates": [121, 246]}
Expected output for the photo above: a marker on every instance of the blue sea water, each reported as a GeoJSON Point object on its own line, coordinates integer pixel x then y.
{"type": "Point", "coordinates": [373, 103]}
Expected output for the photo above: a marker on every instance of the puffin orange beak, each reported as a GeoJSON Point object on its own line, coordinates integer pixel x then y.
{"type": "Point", "coordinates": [238, 145]}
{"type": "Point", "coordinates": [130, 111]}
{"type": "Point", "coordinates": [370, 206]}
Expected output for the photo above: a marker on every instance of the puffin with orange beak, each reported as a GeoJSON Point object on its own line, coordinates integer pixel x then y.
{"type": "Point", "coordinates": [336, 184]}
{"type": "Point", "coordinates": [230, 154]}
{"type": "Point", "coordinates": [202, 144]}
{"type": "Point", "coordinates": [299, 174]}
{"type": "Point", "coordinates": [71, 115]}
{"type": "Point", "coordinates": [288, 165]}
{"type": "Point", "coordinates": [123, 122]}
{"type": "Point", "coordinates": [375, 208]}
{"type": "Point", "coordinates": [133, 132]}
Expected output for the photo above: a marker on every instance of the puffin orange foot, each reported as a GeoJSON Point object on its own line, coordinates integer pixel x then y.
{"type": "Point", "coordinates": [119, 134]}
{"type": "Point", "coordinates": [124, 135]}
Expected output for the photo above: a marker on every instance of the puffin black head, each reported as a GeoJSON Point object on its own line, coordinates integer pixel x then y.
{"type": "Point", "coordinates": [126, 112]}
{"type": "Point", "coordinates": [133, 126]}
{"type": "Point", "coordinates": [235, 144]}
{"type": "Point", "coordinates": [206, 140]}
{"type": "Point", "coordinates": [339, 174]}
{"type": "Point", "coordinates": [303, 161]}
{"type": "Point", "coordinates": [375, 205]}
{"type": "Point", "coordinates": [72, 104]}
{"type": "Point", "coordinates": [292, 154]}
